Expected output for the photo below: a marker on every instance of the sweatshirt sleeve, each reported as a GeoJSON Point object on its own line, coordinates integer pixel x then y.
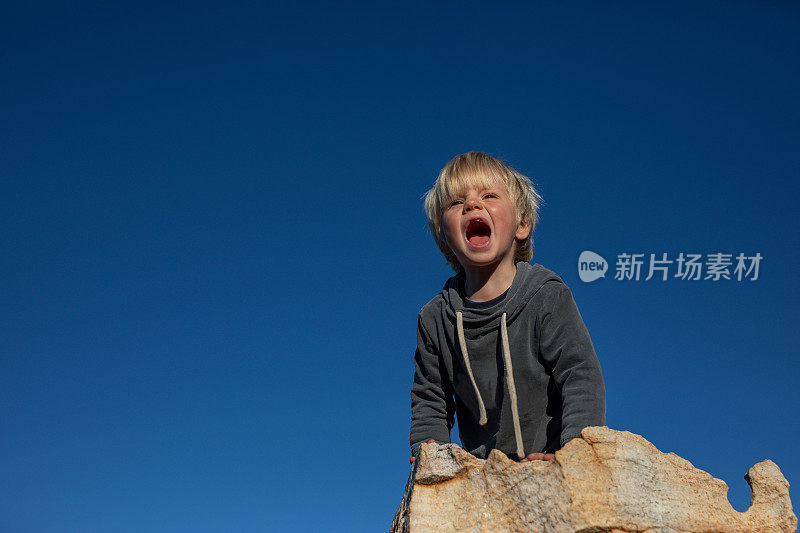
{"type": "Point", "coordinates": [567, 350]}
{"type": "Point", "coordinates": [432, 403]}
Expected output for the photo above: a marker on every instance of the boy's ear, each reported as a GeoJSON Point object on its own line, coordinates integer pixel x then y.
{"type": "Point", "coordinates": [523, 230]}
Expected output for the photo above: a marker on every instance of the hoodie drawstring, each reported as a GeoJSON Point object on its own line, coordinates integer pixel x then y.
{"type": "Point", "coordinates": [463, 343]}
{"type": "Point", "coordinates": [512, 389]}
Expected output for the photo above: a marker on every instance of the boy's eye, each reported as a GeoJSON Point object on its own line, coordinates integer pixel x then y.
{"type": "Point", "coordinates": [490, 195]}
{"type": "Point", "coordinates": [456, 202]}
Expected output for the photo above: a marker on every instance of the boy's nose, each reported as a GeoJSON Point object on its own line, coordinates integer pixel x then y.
{"type": "Point", "coordinates": [472, 203]}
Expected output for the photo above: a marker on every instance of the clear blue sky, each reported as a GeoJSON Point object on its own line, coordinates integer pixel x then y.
{"type": "Point", "coordinates": [213, 250]}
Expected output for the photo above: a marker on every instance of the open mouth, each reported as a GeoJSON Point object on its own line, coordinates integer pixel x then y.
{"type": "Point", "coordinates": [478, 232]}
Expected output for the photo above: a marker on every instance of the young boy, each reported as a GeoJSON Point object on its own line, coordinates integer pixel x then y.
{"type": "Point", "coordinates": [503, 346]}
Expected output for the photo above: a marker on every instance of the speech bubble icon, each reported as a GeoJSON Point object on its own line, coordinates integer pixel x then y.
{"type": "Point", "coordinates": [591, 266]}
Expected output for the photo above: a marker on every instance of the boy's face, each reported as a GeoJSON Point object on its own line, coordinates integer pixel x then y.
{"type": "Point", "coordinates": [480, 225]}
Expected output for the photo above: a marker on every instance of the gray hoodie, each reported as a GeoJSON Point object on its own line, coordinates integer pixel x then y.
{"type": "Point", "coordinates": [521, 375]}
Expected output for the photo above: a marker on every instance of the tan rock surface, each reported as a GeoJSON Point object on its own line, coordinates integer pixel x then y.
{"type": "Point", "coordinates": [607, 481]}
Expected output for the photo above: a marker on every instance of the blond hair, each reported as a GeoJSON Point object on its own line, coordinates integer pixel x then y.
{"type": "Point", "coordinates": [473, 169]}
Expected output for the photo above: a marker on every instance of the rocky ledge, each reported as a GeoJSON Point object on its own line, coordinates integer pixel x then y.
{"type": "Point", "coordinates": [606, 481]}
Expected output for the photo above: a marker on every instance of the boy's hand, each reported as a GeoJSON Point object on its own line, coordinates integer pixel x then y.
{"type": "Point", "coordinates": [412, 459]}
{"type": "Point", "coordinates": [539, 457]}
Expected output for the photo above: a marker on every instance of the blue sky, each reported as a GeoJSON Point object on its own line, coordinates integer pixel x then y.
{"type": "Point", "coordinates": [214, 252]}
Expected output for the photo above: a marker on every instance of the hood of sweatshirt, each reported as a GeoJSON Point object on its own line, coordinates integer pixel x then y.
{"type": "Point", "coordinates": [527, 281]}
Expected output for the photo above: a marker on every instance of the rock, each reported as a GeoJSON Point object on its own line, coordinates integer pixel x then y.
{"type": "Point", "coordinates": [607, 481]}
